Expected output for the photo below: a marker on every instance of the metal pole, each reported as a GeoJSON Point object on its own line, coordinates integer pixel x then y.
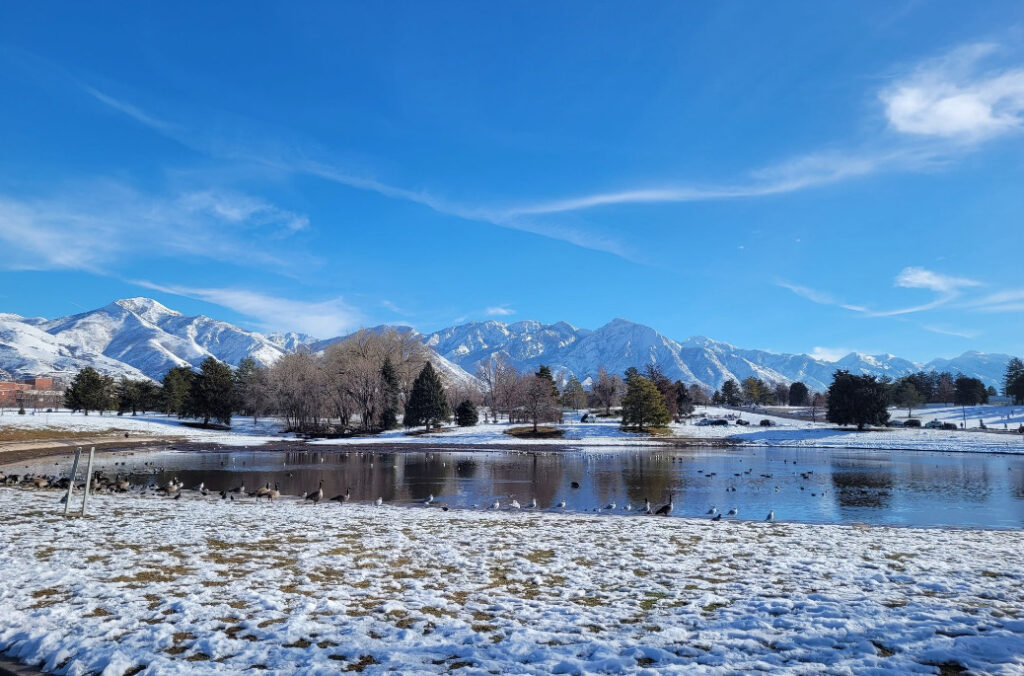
{"type": "Point", "coordinates": [71, 485]}
{"type": "Point", "coordinates": [88, 479]}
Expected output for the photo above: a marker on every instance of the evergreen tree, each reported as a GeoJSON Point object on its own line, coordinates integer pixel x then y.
{"type": "Point", "coordinates": [90, 391]}
{"type": "Point", "coordinates": [389, 382]}
{"type": "Point", "coordinates": [427, 404]}
{"type": "Point", "coordinates": [175, 389]}
{"type": "Point", "coordinates": [545, 373]}
{"type": "Point", "coordinates": [857, 400]}
{"type": "Point", "coordinates": [465, 414]}
{"type": "Point", "coordinates": [574, 396]}
{"type": "Point", "coordinates": [211, 394]}
{"type": "Point", "coordinates": [799, 394]}
{"type": "Point", "coordinates": [643, 406]}
{"type": "Point", "coordinates": [1013, 381]}
{"type": "Point", "coordinates": [684, 402]}
{"type": "Point", "coordinates": [969, 391]}
{"type": "Point", "coordinates": [731, 395]}
{"type": "Point", "coordinates": [907, 396]}
{"type": "Point", "coordinates": [665, 386]}
{"type": "Point", "coordinates": [130, 395]}
{"type": "Point", "coordinates": [717, 399]}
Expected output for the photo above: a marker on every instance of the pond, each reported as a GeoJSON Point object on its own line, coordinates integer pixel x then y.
{"type": "Point", "coordinates": [910, 488]}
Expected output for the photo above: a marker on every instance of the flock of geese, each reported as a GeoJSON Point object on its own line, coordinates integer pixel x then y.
{"type": "Point", "coordinates": [174, 488]}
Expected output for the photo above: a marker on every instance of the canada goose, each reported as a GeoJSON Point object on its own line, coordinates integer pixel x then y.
{"type": "Point", "coordinates": [317, 495]}
{"type": "Point", "coordinates": [666, 509]}
{"type": "Point", "coordinates": [239, 489]}
{"type": "Point", "coordinates": [610, 506]}
{"type": "Point", "coordinates": [646, 509]}
{"type": "Point", "coordinates": [260, 492]}
{"type": "Point", "coordinates": [733, 512]}
{"type": "Point", "coordinates": [713, 510]}
{"type": "Point", "coordinates": [201, 487]}
{"type": "Point", "coordinates": [533, 504]}
{"type": "Point", "coordinates": [40, 482]}
{"type": "Point", "coordinates": [717, 517]}
{"type": "Point", "coordinates": [342, 498]}
{"type": "Point", "coordinates": [121, 485]}
{"type": "Point", "coordinates": [273, 493]}
{"type": "Point", "coordinates": [223, 495]}
{"type": "Point", "coordinates": [379, 501]}
{"type": "Point", "coordinates": [771, 515]}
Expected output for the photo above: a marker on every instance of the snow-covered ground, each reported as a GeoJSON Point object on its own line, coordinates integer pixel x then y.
{"type": "Point", "coordinates": [200, 586]}
{"type": "Point", "coordinates": [243, 431]}
{"type": "Point", "coordinates": [806, 434]}
{"type": "Point", "coordinates": [605, 432]}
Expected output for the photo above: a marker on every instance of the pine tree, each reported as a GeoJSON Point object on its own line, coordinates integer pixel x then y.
{"type": "Point", "coordinates": [175, 389]}
{"type": "Point", "coordinates": [574, 396]}
{"type": "Point", "coordinates": [389, 381]}
{"type": "Point", "coordinates": [643, 406]}
{"type": "Point", "coordinates": [731, 395]}
{"type": "Point", "coordinates": [428, 404]}
{"type": "Point", "coordinates": [798, 394]}
{"type": "Point", "coordinates": [684, 402]}
{"type": "Point", "coordinates": [465, 414]}
{"type": "Point", "coordinates": [545, 373]}
{"type": "Point", "coordinates": [211, 394]}
{"type": "Point", "coordinates": [1013, 381]}
{"type": "Point", "coordinates": [90, 391]}
{"type": "Point", "coordinates": [859, 400]}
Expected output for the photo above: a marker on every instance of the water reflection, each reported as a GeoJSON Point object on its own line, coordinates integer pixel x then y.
{"type": "Point", "coordinates": [818, 486]}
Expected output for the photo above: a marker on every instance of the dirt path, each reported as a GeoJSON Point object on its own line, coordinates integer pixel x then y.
{"type": "Point", "coordinates": [14, 452]}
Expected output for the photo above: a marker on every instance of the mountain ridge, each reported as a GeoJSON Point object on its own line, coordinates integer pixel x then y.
{"type": "Point", "coordinates": [141, 337]}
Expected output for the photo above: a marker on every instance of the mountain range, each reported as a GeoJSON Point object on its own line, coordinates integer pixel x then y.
{"type": "Point", "coordinates": [139, 337]}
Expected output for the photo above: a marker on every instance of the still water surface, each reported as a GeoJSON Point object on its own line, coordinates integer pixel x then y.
{"type": "Point", "coordinates": [815, 486]}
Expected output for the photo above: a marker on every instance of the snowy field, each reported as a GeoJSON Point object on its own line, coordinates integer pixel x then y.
{"type": "Point", "coordinates": [805, 434]}
{"type": "Point", "coordinates": [243, 431]}
{"type": "Point", "coordinates": [605, 432]}
{"type": "Point", "coordinates": [194, 586]}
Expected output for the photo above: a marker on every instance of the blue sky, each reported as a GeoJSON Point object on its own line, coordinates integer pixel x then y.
{"type": "Point", "coordinates": [801, 177]}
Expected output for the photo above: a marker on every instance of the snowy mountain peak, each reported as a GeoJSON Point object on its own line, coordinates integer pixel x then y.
{"type": "Point", "coordinates": [148, 309]}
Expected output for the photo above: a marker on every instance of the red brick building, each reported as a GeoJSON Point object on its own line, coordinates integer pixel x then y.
{"type": "Point", "coordinates": [31, 393]}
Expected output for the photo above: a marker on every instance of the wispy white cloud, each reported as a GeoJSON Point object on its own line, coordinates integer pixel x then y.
{"type": "Point", "coordinates": [921, 278]}
{"type": "Point", "coordinates": [130, 110]}
{"type": "Point", "coordinates": [323, 319]}
{"type": "Point", "coordinates": [951, 331]}
{"type": "Point", "coordinates": [829, 353]}
{"type": "Point", "coordinates": [101, 224]}
{"type": "Point", "coordinates": [951, 97]}
{"type": "Point", "coordinates": [948, 287]}
{"type": "Point", "coordinates": [813, 295]}
{"type": "Point", "coordinates": [499, 311]}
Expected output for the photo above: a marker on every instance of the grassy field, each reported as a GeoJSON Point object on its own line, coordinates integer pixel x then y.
{"type": "Point", "coordinates": [17, 434]}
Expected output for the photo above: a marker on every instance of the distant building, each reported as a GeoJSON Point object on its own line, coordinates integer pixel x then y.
{"type": "Point", "coordinates": [31, 393]}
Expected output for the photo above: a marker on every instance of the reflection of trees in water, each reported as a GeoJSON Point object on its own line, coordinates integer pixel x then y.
{"type": "Point", "coordinates": [652, 477]}
{"type": "Point", "coordinates": [1016, 478]}
{"type": "Point", "coordinates": [426, 474]}
{"type": "Point", "coordinates": [862, 488]}
{"type": "Point", "coordinates": [528, 476]}
{"type": "Point", "coordinates": [968, 480]}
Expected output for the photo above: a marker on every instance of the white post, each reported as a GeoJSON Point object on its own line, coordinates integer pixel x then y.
{"type": "Point", "coordinates": [88, 479]}
{"type": "Point", "coordinates": [71, 485]}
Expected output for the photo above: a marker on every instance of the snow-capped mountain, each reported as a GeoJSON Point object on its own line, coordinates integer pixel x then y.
{"type": "Point", "coordinates": [139, 336]}
{"type": "Point", "coordinates": [621, 344]}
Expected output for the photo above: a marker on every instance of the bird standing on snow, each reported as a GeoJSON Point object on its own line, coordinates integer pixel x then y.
{"type": "Point", "coordinates": [317, 495]}
{"type": "Point", "coordinates": [533, 504]}
{"type": "Point", "coordinates": [646, 509]}
{"type": "Point", "coordinates": [717, 517]}
{"type": "Point", "coordinates": [666, 509]}
{"type": "Point", "coordinates": [771, 515]}
{"type": "Point", "coordinates": [379, 501]}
